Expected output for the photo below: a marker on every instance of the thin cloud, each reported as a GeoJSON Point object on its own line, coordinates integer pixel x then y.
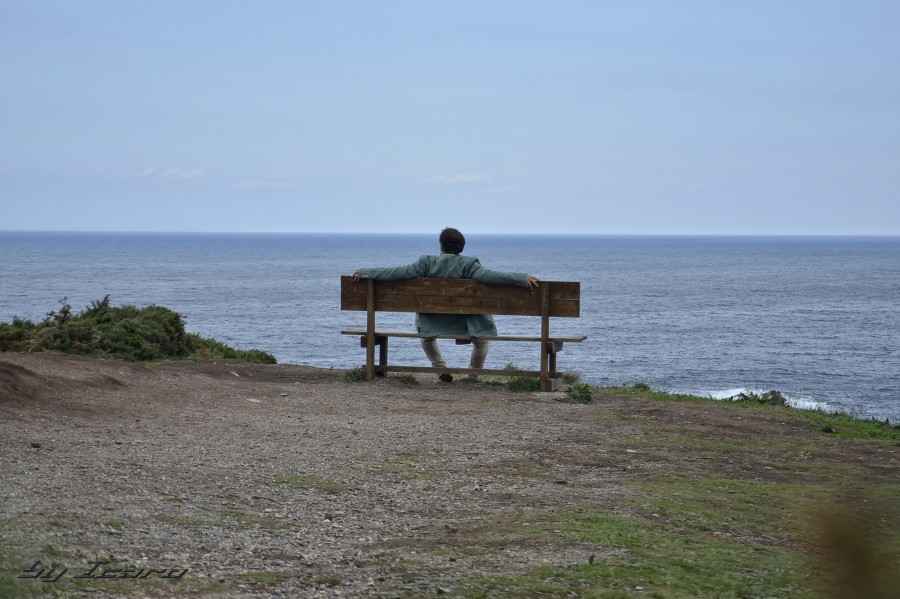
{"type": "Point", "coordinates": [458, 179]}
{"type": "Point", "coordinates": [512, 189]}
{"type": "Point", "coordinates": [182, 174]}
{"type": "Point", "coordinates": [179, 174]}
{"type": "Point", "coordinates": [284, 182]}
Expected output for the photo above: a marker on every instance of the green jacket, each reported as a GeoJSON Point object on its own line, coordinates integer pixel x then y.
{"type": "Point", "coordinates": [449, 266]}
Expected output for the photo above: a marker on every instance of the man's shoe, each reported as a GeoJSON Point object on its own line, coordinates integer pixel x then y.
{"type": "Point", "coordinates": [446, 378]}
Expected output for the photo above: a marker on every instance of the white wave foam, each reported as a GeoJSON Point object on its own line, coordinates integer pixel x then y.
{"type": "Point", "coordinates": [799, 402]}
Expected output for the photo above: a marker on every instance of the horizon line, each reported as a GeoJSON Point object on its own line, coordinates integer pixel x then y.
{"type": "Point", "coordinates": [477, 233]}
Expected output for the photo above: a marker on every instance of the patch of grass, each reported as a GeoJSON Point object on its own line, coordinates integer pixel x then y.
{"type": "Point", "coordinates": [232, 513]}
{"type": "Point", "coordinates": [186, 521]}
{"type": "Point", "coordinates": [354, 375]}
{"type": "Point", "coordinates": [210, 349]}
{"type": "Point", "coordinates": [846, 426]}
{"type": "Point", "coordinates": [635, 551]}
{"type": "Point", "coordinates": [266, 578]}
{"type": "Point", "coordinates": [524, 467]}
{"type": "Point", "coordinates": [121, 332]}
{"type": "Point", "coordinates": [675, 536]}
{"type": "Point", "coordinates": [523, 384]}
{"type": "Point", "coordinates": [570, 377]}
{"type": "Point", "coordinates": [225, 517]}
{"type": "Point", "coordinates": [404, 464]}
{"type": "Point", "coordinates": [512, 382]}
{"type": "Point", "coordinates": [769, 398]}
{"type": "Point", "coordinates": [755, 511]}
{"type": "Point", "coordinates": [837, 423]}
{"type": "Point", "coordinates": [13, 564]}
{"type": "Point", "coordinates": [644, 391]}
{"type": "Point", "coordinates": [310, 481]}
{"type": "Point", "coordinates": [10, 586]}
{"type": "Point", "coordinates": [580, 392]}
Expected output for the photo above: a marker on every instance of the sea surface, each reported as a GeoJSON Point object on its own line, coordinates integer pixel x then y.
{"type": "Point", "coordinates": [817, 318]}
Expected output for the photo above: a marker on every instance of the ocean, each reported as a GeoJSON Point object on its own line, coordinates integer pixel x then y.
{"type": "Point", "coordinates": [817, 318]}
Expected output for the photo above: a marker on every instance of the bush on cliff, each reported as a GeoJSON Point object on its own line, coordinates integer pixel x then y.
{"type": "Point", "coordinates": [122, 332]}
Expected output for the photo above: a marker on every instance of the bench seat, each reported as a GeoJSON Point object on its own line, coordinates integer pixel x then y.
{"type": "Point", "coordinates": [465, 339]}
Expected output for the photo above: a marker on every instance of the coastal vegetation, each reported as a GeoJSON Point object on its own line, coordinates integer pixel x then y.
{"type": "Point", "coordinates": [126, 332]}
{"type": "Point", "coordinates": [839, 424]}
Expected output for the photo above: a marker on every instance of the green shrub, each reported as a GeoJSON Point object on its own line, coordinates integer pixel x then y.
{"type": "Point", "coordinates": [121, 332]}
{"type": "Point", "coordinates": [354, 375]}
{"type": "Point", "coordinates": [570, 377]}
{"type": "Point", "coordinates": [523, 383]}
{"type": "Point", "coordinates": [769, 398]}
{"type": "Point", "coordinates": [15, 335]}
{"type": "Point", "coordinates": [209, 349]}
{"type": "Point", "coordinates": [580, 392]}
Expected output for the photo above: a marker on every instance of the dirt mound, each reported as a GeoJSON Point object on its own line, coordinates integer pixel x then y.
{"type": "Point", "coordinates": [18, 383]}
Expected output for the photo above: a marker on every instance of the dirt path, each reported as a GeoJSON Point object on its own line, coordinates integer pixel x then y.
{"type": "Point", "coordinates": [288, 481]}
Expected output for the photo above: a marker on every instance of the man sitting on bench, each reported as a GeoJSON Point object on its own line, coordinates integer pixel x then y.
{"type": "Point", "coordinates": [450, 265]}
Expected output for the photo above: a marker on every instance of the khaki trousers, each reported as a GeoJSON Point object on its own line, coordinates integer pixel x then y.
{"type": "Point", "coordinates": [433, 352]}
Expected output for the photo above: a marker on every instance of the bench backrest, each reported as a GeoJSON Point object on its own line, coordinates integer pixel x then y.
{"type": "Point", "coordinates": [462, 296]}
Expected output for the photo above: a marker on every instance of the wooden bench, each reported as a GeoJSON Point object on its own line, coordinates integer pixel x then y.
{"type": "Point", "coordinates": [462, 296]}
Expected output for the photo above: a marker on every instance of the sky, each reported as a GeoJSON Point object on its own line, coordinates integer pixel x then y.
{"type": "Point", "coordinates": [751, 117]}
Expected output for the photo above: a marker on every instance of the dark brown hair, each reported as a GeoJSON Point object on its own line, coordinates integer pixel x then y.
{"type": "Point", "coordinates": [452, 241]}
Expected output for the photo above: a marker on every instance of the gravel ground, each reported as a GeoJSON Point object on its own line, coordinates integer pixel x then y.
{"type": "Point", "coordinates": [287, 481]}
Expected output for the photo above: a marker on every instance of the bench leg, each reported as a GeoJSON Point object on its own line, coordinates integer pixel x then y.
{"type": "Point", "coordinates": [370, 360]}
{"type": "Point", "coordinates": [371, 369]}
{"type": "Point", "coordinates": [547, 383]}
{"type": "Point", "coordinates": [382, 355]}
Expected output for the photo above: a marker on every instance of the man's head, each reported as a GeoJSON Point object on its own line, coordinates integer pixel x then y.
{"type": "Point", "coordinates": [452, 241]}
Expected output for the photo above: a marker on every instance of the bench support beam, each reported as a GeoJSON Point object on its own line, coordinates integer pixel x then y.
{"type": "Point", "coordinates": [549, 377]}
{"type": "Point", "coordinates": [545, 336]}
{"type": "Point", "coordinates": [370, 330]}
